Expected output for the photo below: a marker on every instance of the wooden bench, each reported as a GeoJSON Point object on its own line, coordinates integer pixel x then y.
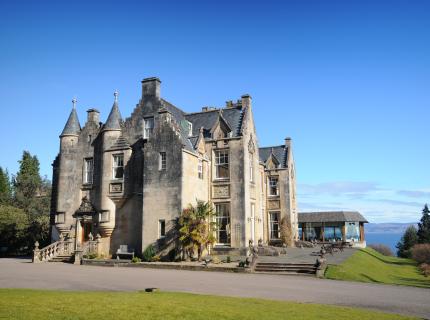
{"type": "Point", "coordinates": [124, 250]}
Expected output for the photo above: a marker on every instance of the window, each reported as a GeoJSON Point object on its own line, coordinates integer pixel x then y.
{"type": "Point", "coordinates": [223, 223]}
{"type": "Point", "coordinates": [221, 164]}
{"type": "Point", "coordinates": [162, 161]}
{"type": "Point", "coordinates": [118, 166]}
{"type": "Point", "coordinates": [161, 228]}
{"type": "Point", "coordinates": [60, 217]}
{"type": "Point", "coordinates": [148, 128]}
{"type": "Point", "coordinates": [273, 186]}
{"type": "Point", "coordinates": [251, 168]}
{"type": "Point", "coordinates": [200, 169]}
{"type": "Point", "coordinates": [104, 216]}
{"type": "Point", "coordinates": [274, 225]}
{"type": "Point", "coordinates": [88, 171]}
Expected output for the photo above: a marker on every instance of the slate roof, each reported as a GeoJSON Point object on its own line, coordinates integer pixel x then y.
{"type": "Point", "coordinates": [207, 120]}
{"type": "Point", "coordinates": [179, 117]}
{"type": "Point", "coordinates": [331, 216]}
{"type": "Point", "coordinates": [280, 153]}
{"type": "Point", "coordinates": [72, 126]}
{"type": "Point", "coordinates": [114, 119]}
{"type": "Point", "coordinates": [120, 144]}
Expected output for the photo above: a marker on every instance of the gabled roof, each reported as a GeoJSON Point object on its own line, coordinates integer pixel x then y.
{"type": "Point", "coordinates": [114, 119]}
{"type": "Point", "coordinates": [207, 120]}
{"type": "Point", "coordinates": [72, 127]}
{"type": "Point", "coordinates": [179, 117]}
{"type": "Point", "coordinates": [279, 152]}
{"type": "Point", "coordinates": [331, 216]}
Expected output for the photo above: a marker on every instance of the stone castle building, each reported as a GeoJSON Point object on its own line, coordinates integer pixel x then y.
{"type": "Point", "coordinates": [127, 180]}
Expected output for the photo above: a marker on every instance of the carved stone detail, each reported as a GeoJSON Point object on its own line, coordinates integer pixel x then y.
{"type": "Point", "coordinates": [115, 187]}
{"type": "Point", "coordinates": [273, 204]}
{"type": "Point", "coordinates": [222, 191]}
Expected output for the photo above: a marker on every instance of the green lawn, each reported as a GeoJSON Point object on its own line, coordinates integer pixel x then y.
{"type": "Point", "coordinates": [367, 265]}
{"type": "Point", "coordinates": [38, 304]}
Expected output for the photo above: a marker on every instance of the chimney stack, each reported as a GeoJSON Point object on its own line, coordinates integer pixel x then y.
{"type": "Point", "coordinates": [151, 87]}
{"type": "Point", "coordinates": [288, 142]}
{"type": "Point", "coordinates": [93, 115]}
{"type": "Point", "coordinates": [246, 101]}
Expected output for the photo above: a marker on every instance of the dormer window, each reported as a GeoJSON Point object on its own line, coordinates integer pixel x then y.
{"type": "Point", "coordinates": [148, 128]}
{"type": "Point", "coordinates": [190, 129]}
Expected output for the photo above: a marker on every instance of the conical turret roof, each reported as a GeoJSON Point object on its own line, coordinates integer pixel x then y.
{"type": "Point", "coordinates": [114, 119]}
{"type": "Point", "coordinates": [72, 127]}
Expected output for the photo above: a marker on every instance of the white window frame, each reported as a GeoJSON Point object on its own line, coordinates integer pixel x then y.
{"type": "Point", "coordinates": [200, 168]}
{"type": "Point", "coordinates": [272, 222]}
{"type": "Point", "coordinates": [271, 184]}
{"type": "Point", "coordinates": [222, 159]}
{"type": "Point", "coordinates": [60, 217]}
{"type": "Point", "coordinates": [148, 127]}
{"type": "Point", "coordinates": [117, 164]}
{"type": "Point", "coordinates": [104, 216]}
{"type": "Point", "coordinates": [162, 161]}
{"type": "Point", "coordinates": [219, 218]}
{"type": "Point", "coordinates": [88, 170]}
{"type": "Point", "coordinates": [161, 228]}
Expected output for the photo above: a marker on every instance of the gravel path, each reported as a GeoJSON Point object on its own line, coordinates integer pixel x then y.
{"type": "Point", "coordinates": [21, 273]}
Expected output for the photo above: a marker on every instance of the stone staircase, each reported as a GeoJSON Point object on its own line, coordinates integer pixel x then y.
{"type": "Point", "coordinates": [62, 258]}
{"type": "Point", "coordinates": [285, 268]}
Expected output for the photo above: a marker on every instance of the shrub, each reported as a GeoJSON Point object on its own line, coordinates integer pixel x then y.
{"type": "Point", "coordinates": [149, 253]}
{"type": "Point", "coordinates": [135, 260]}
{"type": "Point", "coordinates": [241, 264]}
{"type": "Point", "coordinates": [425, 268]}
{"type": "Point", "coordinates": [228, 260]}
{"type": "Point", "coordinates": [421, 253]}
{"type": "Point", "coordinates": [90, 256]}
{"type": "Point", "coordinates": [382, 249]}
{"type": "Point", "coordinates": [215, 260]}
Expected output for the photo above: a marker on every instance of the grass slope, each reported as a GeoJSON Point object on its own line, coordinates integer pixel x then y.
{"type": "Point", "coordinates": [38, 304]}
{"type": "Point", "coordinates": [367, 265]}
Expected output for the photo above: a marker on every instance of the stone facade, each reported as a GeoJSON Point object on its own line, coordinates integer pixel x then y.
{"type": "Point", "coordinates": [134, 176]}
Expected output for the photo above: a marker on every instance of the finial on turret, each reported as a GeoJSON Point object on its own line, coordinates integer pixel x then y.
{"type": "Point", "coordinates": [74, 100]}
{"type": "Point", "coordinates": [116, 93]}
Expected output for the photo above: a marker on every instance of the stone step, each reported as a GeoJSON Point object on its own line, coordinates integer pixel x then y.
{"type": "Point", "coordinates": [62, 258]}
{"type": "Point", "coordinates": [285, 268]}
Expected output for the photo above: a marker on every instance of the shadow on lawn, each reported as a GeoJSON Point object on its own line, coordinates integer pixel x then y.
{"type": "Point", "coordinates": [415, 282]}
{"type": "Point", "coordinates": [387, 260]}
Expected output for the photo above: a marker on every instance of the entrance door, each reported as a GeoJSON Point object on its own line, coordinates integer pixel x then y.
{"type": "Point", "coordinates": [86, 230]}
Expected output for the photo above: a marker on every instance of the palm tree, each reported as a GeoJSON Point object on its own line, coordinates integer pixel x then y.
{"type": "Point", "coordinates": [196, 228]}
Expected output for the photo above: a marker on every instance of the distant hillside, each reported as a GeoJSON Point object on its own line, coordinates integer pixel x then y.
{"type": "Point", "coordinates": [387, 227]}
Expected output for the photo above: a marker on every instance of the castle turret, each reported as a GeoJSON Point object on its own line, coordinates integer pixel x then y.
{"type": "Point", "coordinates": [113, 162]}
{"type": "Point", "coordinates": [68, 141]}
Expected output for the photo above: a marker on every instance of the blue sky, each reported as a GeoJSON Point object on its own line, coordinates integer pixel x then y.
{"type": "Point", "coordinates": [349, 81]}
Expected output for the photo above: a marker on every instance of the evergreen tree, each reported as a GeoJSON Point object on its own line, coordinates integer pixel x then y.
{"type": "Point", "coordinates": [408, 240]}
{"type": "Point", "coordinates": [424, 226]}
{"type": "Point", "coordinates": [27, 183]}
{"type": "Point", "coordinates": [5, 187]}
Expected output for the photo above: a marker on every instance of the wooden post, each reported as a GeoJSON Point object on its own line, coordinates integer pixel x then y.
{"type": "Point", "coordinates": [362, 238]}
{"type": "Point", "coordinates": [303, 231]}
{"type": "Point", "coordinates": [322, 231]}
